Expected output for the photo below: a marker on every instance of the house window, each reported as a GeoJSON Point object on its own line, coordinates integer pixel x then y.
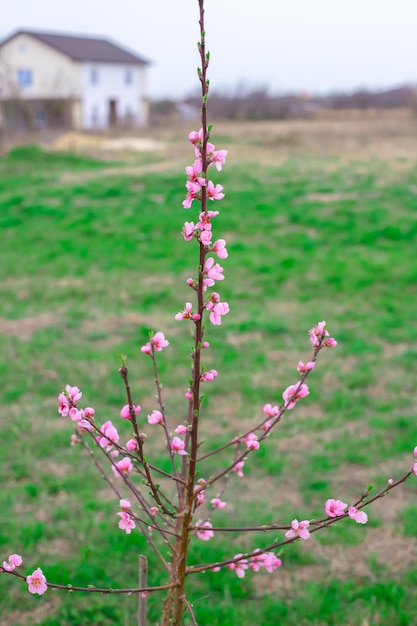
{"type": "Point", "coordinates": [93, 76]}
{"type": "Point", "coordinates": [24, 78]}
{"type": "Point", "coordinates": [128, 76]}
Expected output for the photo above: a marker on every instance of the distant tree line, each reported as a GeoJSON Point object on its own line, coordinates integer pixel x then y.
{"type": "Point", "coordinates": [259, 104]}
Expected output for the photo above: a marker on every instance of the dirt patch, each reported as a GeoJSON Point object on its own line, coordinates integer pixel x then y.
{"type": "Point", "coordinates": [112, 323]}
{"type": "Point", "coordinates": [331, 197]}
{"type": "Point", "coordinates": [25, 327]}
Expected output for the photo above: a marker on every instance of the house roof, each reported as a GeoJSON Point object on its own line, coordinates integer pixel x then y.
{"type": "Point", "coordinates": [82, 48]}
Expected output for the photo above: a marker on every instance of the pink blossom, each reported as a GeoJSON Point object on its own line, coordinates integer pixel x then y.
{"type": "Point", "coordinates": [360, 517]}
{"type": "Point", "coordinates": [193, 172]}
{"type": "Point", "coordinates": [266, 426]}
{"type": "Point", "coordinates": [268, 560]}
{"type": "Point", "coordinates": [205, 344]}
{"type": "Point", "coordinates": [63, 405]}
{"type": "Point", "coordinates": [213, 271]}
{"type": "Point", "coordinates": [89, 412]}
{"type": "Point", "coordinates": [84, 425]}
{"type": "Point", "coordinates": [188, 231]}
{"type": "Point", "coordinates": [194, 137]}
{"type": "Point", "coordinates": [155, 417]}
{"type": "Point", "coordinates": [73, 393]}
{"type": "Point", "coordinates": [238, 468]}
{"type": "Point", "coordinates": [193, 190]}
{"type": "Point", "coordinates": [219, 248]}
{"type": "Point", "coordinates": [208, 377]}
{"type": "Point", "coordinates": [114, 453]}
{"type": "Point", "coordinates": [75, 414]}
{"type": "Point", "coordinates": [188, 394]}
{"type": "Point", "coordinates": [335, 508]}
{"type": "Point", "coordinates": [124, 466]}
{"type": "Point", "coordinates": [200, 495]}
{"type": "Point", "coordinates": [239, 567]}
{"type": "Point", "coordinates": [126, 522]}
{"type": "Point", "coordinates": [218, 503]}
{"type": "Point", "coordinates": [187, 313]}
{"type": "Point", "coordinates": [293, 393]}
{"type": "Point", "coordinates": [303, 369]}
{"type": "Point", "coordinates": [125, 411]}
{"type": "Point", "coordinates": [68, 399]}
{"type": "Point", "coordinates": [157, 342]}
{"type": "Point", "coordinates": [124, 504]}
{"type": "Point", "coordinates": [271, 562]}
{"type": "Point", "coordinates": [205, 533]}
{"type": "Point", "coordinates": [415, 468]}
{"type": "Point", "coordinates": [330, 342]}
{"type": "Point", "coordinates": [415, 451]}
{"type": "Point", "coordinates": [214, 192]}
{"type": "Point", "coordinates": [271, 411]}
{"type": "Point", "coordinates": [318, 333]}
{"type": "Point", "coordinates": [219, 158]}
{"type": "Point", "coordinates": [205, 237]}
{"type": "Point", "coordinates": [298, 529]}
{"type": "Point", "coordinates": [131, 445]}
{"type": "Point", "coordinates": [391, 481]}
{"type": "Point", "coordinates": [109, 436]}
{"type": "Point", "coordinates": [178, 445]}
{"type": "Point", "coordinates": [251, 441]}
{"type": "Point", "coordinates": [37, 582]}
{"type": "Point", "coordinates": [154, 510]}
{"type": "Point", "coordinates": [205, 217]}
{"type": "Point", "coordinates": [181, 429]}
{"type": "Point", "coordinates": [217, 311]}
{"type": "Point", "coordinates": [74, 440]}
{"type": "Point", "coordinates": [15, 560]}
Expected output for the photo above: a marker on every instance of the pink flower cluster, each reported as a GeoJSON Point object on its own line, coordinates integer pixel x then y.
{"type": "Point", "coordinates": [195, 174]}
{"type": "Point", "coordinates": [319, 335]}
{"type": "Point", "coordinates": [187, 313]}
{"type": "Point", "coordinates": [268, 560]}
{"type": "Point", "coordinates": [336, 508]}
{"type": "Point", "coordinates": [156, 343]}
{"type": "Point", "coordinates": [108, 436]}
{"type": "Point", "coordinates": [15, 560]}
{"type": "Point", "coordinates": [293, 393]}
{"type": "Point", "coordinates": [202, 230]}
{"type": "Point", "coordinates": [68, 399]}
{"type": "Point", "coordinates": [205, 534]}
{"type": "Point", "coordinates": [208, 377]}
{"type": "Point", "coordinates": [251, 442]}
{"type": "Point", "coordinates": [217, 309]}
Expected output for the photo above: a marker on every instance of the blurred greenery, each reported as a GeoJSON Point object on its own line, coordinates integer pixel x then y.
{"type": "Point", "coordinates": [91, 263]}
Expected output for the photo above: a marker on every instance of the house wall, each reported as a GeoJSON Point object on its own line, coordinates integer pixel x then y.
{"type": "Point", "coordinates": [54, 75]}
{"type": "Point", "coordinates": [110, 99]}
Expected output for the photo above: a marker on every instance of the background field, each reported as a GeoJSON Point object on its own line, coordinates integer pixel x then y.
{"type": "Point", "coordinates": [320, 217]}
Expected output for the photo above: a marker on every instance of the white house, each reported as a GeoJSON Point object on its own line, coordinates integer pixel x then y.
{"type": "Point", "coordinates": [51, 79]}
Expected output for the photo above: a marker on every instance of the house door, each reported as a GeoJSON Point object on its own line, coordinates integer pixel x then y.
{"type": "Point", "coordinates": [112, 113]}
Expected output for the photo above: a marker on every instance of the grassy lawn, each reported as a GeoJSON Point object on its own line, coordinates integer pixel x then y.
{"type": "Point", "coordinates": [92, 258]}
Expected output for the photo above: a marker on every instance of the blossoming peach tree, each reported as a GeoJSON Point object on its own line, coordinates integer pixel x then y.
{"type": "Point", "coordinates": [170, 518]}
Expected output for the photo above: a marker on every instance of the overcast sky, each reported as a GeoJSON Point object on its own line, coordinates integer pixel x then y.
{"type": "Point", "coordinates": [307, 45]}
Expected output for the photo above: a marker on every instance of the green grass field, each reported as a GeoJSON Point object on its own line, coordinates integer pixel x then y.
{"type": "Point", "coordinates": [92, 258]}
